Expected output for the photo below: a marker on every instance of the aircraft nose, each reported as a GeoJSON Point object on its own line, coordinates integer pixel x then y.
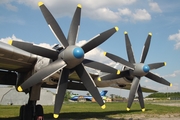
{"type": "Point", "coordinates": [146, 68]}
{"type": "Point", "coordinates": [78, 52]}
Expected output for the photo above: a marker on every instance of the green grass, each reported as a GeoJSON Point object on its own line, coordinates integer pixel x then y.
{"type": "Point", "coordinates": [92, 110]}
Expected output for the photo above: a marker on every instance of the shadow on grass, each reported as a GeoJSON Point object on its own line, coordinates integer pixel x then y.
{"type": "Point", "coordinates": [110, 115]}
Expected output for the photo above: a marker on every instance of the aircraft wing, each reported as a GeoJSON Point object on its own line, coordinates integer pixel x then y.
{"type": "Point", "coordinates": [144, 89]}
{"type": "Point", "coordinates": [15, 59]}
{"type": "Point", "coordinates": [75, 78]}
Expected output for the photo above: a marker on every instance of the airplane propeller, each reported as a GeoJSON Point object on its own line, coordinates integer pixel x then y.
{"type": "Point", "coordinates": [134, 71]}
{"type": "Point", "coordinates": [70, 58]}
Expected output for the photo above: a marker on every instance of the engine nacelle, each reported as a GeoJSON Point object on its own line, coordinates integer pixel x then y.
{"type": "Point", "coordinates": [41, 63]}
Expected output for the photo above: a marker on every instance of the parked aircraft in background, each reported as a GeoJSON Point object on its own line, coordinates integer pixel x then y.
{"type": "Point", "coordinates": [89, 97]}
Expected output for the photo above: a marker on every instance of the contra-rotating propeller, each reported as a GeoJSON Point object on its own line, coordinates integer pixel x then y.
{"type": "Point", "coordinates": [68, 59]}
{"type": "Point", "coordinates": [134, 71]}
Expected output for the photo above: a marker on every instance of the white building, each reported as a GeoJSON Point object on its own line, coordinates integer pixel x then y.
{"type": "Point", "coordinates": [9, 96]}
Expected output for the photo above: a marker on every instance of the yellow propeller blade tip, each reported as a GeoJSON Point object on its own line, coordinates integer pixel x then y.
{"type": "Point", "coordinates": [103, 106]}
{"type": "Point", "coordinates": [79, 6]}
{"type": "Point", "coordinates": [55, 115]}
{"type": "Point", "coordinates": [125, 32]}
{"type": "Point", "coordinates": [105, 53]}
{"type": "Point", "coordinates": [10, 42]}
{"type": "Point", "coordinates": [118, 72]}
{"type": "Point", "coordinates": [170, 85]}
{"type": "Point", "coordinates": [20, 89]}
{"type": "Point", "coordinates": [99, 79]}
{"type": "Point", "coordinates": [128, 109]}
{"type": "Point", "coordinates": [116, 28]}
{"type": "Point", "coordinates": [150, 34]}
{"type": "Point", "coordinates": [164, 63]}
{"type": "Point", "coordinates": [143, 109]}
{"type": "Point", "coordinates": [40, 3]}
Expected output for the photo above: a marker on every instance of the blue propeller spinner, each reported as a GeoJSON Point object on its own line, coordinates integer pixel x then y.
{"type": "Point", "coordinates": [146, 68]}
{"type": "Point", "coordinates": [78, 52]}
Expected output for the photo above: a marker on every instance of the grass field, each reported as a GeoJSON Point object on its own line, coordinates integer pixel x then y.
{"type": "Point", "coordinates": [93, 110]}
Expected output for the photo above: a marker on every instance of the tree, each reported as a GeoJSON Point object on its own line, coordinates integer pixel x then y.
{"type": "Point", "coordinates": [67, 95]}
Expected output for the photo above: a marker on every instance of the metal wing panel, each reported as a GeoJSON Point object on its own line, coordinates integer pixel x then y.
{"type": "Point", "coordinates": [72, 85]}
{"type": "Point", "coordinates": [75, 77]}
{"type": "Point", "coordinates": [12, 58]}
{"type": "Point", "coordinates": [147, 90]}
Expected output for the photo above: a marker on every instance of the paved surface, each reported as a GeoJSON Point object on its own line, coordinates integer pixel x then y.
{"type": "Point", "coordinates": [136, 117]}
{"type": "Point", "coordinates": [175, 118]}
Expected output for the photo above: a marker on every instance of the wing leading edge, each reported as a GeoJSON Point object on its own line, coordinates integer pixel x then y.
{"type": "Point", "coordinates": [15, 59]}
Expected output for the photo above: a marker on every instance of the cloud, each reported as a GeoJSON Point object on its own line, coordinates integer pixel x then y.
{"type": "Point", "coordinates": [159, 87]}
{"type": "Point", "coordinates": [110, 11]}
{"type": "Point", "coordinates": [174, 88]}
{"type": "Point", "coordinates": [5, 1]}
{"type": "Point", "coordinates": [90, 4]}
{"type": "Point", "coordinates": [141, 14]}
{"type": "Point", "coordinates": [125, 14]}
{"type": "Point", "coordinates": [174, 74]}
{"type": "Point", "coordinates": [155, 7]}
{"type": "Point", "coordinates": [11, 7]}
{"type": "Point", "coordinates": [104, 14]}
{"type": "Point", "coordinates": [175, 37]}
{"type": "Point", "coordinates": [125, 11]}
{"type": "Point", "coordinates": [13, 37]}
{"type": "Point", "coordinates": [166, 89]}
{"type": "Point", "coordinates": [8, 5]}
{"type": "Point", "coordinates": [45, 45]}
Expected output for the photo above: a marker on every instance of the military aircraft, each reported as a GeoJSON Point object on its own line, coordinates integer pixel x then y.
{"type": "Point", "coordinates": [29, 67]}
{"type": "Point", "coordinates": [132, 72]}
{"type": "Point", "coordinates": [89, 97]}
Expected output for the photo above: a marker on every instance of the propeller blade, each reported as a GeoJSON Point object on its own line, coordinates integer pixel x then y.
{"type": "Point", "coordinates": [156, 65]}
{"type": "Point", "coordinates": [42, 74]}
{"type": "Point", "coordinates": [100, 66]}
{"type": "Point", "coordinates": [61, 90]}
{"type": "Point", "coordinates": [133, 90]}
{"type": "Point", "coordinates": [140, 97]}
{"type": "Point", "coordinates": [112, 76]}
{"type": "Point", "coordinates": [89, 84]}
{"type": "Point", "coordinates": [97, 40]}
{"type": "Point", "coordinates": [146, 48]}
{"type": "Point", "coordinates": [158, 79]}
{"type": "Point", "coordinates": [74, 28]}
{"type": "Point", "coordinates": [52, 23]}
{"type": "Point", "coordinates": [129, 48]}
{"type": "Point", "coordinates": [29, 47]}
{"type": "Point", "coordinates": [119, 59]}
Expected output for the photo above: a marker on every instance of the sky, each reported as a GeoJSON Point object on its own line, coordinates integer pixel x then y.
{"type": "Point", "coordinates": [23, 20]}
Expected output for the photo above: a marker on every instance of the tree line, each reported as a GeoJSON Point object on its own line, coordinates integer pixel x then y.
{"type": "Point", "coordinates": [164, 95]}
